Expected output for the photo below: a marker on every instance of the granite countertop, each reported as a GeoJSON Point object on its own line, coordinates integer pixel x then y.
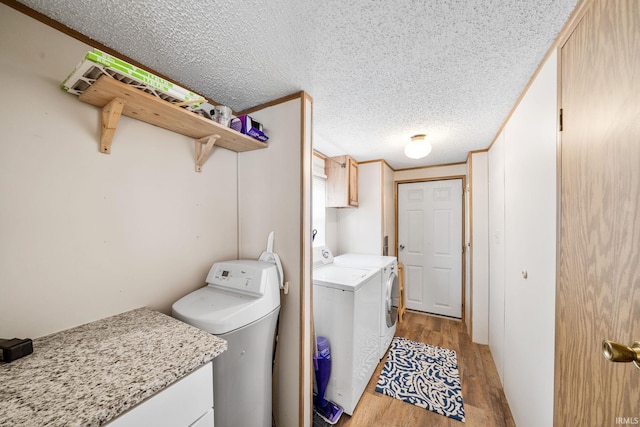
{"type": "Point", "coordinates": [90, 374]}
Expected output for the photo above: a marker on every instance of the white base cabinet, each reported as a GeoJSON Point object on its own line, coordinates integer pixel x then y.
{"type": "Point", "coordinates": [205, 421]}
{"type": "Point", "coordinates": [186, 403]}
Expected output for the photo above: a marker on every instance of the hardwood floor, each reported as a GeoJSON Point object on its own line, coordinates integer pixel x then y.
{"type": "Point", "coordinates": [484, 401]}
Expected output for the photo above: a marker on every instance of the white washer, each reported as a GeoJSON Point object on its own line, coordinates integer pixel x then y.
{"type": "Point", "coordinates": [241, 305]}
{"type": "Point", "coordinates": [345, 310]}
{"type": "Point", "coordinates": [389, 291]}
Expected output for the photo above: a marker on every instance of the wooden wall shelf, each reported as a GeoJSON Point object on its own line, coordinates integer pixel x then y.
{"type": "Point", "coordinates": [116, 98]}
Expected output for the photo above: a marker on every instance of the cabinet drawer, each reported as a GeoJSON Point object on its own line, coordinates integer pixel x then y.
{"type": "Point", "coordinates": [181, 404]}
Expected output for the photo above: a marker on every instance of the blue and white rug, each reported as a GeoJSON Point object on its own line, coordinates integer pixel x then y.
{"type": "Point", "coordinates": [424, 375]}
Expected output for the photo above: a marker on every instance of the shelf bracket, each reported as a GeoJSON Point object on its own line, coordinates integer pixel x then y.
{"type": "Point", "coordinates": [110, 116]}
{"type": "Point", "coordinates": [202, 153]}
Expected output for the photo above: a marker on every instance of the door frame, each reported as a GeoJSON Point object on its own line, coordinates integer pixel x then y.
{"type": "Point", "coordinates": [463, 254]}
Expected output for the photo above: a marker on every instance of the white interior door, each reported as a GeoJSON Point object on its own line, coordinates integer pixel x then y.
{"type": "Point", "coordinates": [430, 245]}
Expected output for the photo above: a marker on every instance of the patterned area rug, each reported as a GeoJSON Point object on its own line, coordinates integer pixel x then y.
{"type": "Point", "coordinates": [424, 375]}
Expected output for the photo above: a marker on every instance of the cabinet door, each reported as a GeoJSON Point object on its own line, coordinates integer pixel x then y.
{"type": "Point", "coordinates": [207, 420]}
{"type": "Point", "coordinates": [342, 182]}
{"type": "Point", "coordinates": [353, 182]}
{"type": "Point", "coordinates": [180, 404]}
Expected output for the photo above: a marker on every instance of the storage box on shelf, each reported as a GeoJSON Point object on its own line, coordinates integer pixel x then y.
{"type": "Point", "coordinates": [116, 98]}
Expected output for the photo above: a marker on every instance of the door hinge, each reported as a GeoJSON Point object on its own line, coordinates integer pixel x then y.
{"type": "Point", "coordinates": [561, 120]}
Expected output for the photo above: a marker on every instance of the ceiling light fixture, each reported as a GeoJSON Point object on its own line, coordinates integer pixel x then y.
{"type": "Point", "coordinates": [418, 148]}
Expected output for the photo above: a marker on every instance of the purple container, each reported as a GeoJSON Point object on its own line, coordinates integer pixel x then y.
{"type": "Point", "coordinates": [248, 126]}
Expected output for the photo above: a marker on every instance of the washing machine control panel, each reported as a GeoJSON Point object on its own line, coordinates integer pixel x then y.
{"type": "Point", "coordinates": [237, 277]}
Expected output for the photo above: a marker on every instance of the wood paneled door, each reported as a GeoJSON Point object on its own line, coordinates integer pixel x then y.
{"type": "Point", "coordinates": [598, 290]}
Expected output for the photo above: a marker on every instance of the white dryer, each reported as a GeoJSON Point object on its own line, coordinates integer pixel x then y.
{"type": "Point", "coordinates": [346, 304]}
{"type": "Point", "coordinates": [389, 290]}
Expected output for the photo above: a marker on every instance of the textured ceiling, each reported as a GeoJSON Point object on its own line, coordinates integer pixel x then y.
{"type": "Point", "coordinates": [378, 71]}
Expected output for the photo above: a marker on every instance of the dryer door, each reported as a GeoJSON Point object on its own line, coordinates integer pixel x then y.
{"type": "Point", "coordinates": [391, 299]}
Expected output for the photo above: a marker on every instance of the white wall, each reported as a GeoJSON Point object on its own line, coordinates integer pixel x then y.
{"type": "Point", "coordinates": [389, 208]}
{"type": "Point", "coordinates": [458, 169]}
{"type": "Point", "coordinates": [497, 254]}
{"type": "Point", "coordinates": [530, 245]}
{"type": "Point", "coordinates": [479, 183]}
{"type": "Point", "coordinates": [319, 202]}
{"type": "Point", "coordinates": [331, 231]}
{"type": "Point", "coordinates": [467, 253]}
{"type": "Point", "coordinates": [84, 235]}
{"type": "Point", "coordinates": [274, 188]}
{"type": "Point", "coordinates": [360, 229]}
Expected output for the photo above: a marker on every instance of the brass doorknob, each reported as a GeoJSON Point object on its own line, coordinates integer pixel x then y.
{"type": "Point", "coordinates": [615, 352]}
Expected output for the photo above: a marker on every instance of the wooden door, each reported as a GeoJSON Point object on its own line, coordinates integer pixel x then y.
{"type": "Point", "coordinates": [598, 289]}
{"type": "Point", "coordinates": [429, 240]}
